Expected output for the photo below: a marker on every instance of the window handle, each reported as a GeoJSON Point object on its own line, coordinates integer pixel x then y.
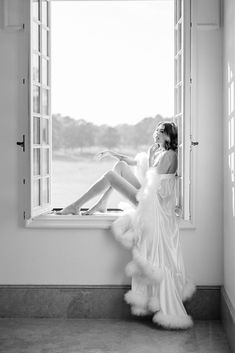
{"type": "Point", "coordinates": [194, 143]}
{"type": "Point", "coordinates": [22, 144]}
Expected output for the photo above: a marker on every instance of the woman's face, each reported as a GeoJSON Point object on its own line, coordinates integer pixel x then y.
{"type": "Point", "coordinates": [159, 135]}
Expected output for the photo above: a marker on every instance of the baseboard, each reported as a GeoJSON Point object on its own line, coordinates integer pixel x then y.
{"type": "Point", "coordinates": [228, 318]}
{"type": "Point", "coordinates": [91, 302]}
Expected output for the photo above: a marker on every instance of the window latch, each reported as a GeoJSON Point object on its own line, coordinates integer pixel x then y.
{"type": "Point", "coordinates": [194, 143]}
{"type": "Point", "coordinates": [22, 144]}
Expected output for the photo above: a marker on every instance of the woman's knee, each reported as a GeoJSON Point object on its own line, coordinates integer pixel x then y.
{"type": "Point", "coordinates": [109, 175]}
{"type": "Point", "coordinates": [119, 166]}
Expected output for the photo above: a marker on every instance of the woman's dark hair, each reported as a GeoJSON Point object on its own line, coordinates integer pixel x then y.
{"type": "Point", "coordinates": [170, 129]}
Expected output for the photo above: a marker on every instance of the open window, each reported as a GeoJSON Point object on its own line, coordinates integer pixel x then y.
{"type": "Point", "coordinates": [40, 109]}
{"type": "Point", "coordinates": [182, 103]}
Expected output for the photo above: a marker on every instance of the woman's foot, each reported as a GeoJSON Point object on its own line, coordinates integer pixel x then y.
{"type": "Point", "coordinates": [71, 209]}
{"type": "Point", "coordinates": [98, 207]}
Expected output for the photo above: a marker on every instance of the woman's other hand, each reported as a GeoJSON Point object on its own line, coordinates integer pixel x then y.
{"type": "Point", "coordinates": [103, 154]}
{"type": "Point", "coordinates": [108, 153]}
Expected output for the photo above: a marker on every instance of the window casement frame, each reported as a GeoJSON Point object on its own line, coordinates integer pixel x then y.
{"type": "Point", "coordinates": [40, 132]}
{"type": "Point", "coordinates": [41, 217]}
{"type": "Point", "coordinates": [186, 181]}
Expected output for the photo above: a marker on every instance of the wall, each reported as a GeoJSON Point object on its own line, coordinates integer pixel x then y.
{"type": "Point", "coordinates": [229, 149]}
{"type": "Point", "coordinates": [33, 256]}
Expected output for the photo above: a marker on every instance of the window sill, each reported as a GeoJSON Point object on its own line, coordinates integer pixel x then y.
{"type": "Point", "coordinates": [98, 221]}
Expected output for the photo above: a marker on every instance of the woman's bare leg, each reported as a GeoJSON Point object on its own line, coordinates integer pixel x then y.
{"type": "Point", "coordinates": [123, 169]}
{"type": "Point", "coordinates": [110, 179]}
{"type": "Point", "coordinates": [97, 188]}
{"type": "Point", "coordinates": [101, 204]}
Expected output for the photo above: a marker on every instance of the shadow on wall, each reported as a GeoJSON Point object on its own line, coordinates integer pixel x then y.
{"type": "Point", "coordinates": [231, 132]}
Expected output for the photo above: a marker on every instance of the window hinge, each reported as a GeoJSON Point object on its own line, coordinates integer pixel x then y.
{"type": "Point", "coordinates": [191, 81]}
{"type": "Point", "coordinates": [24, 215]}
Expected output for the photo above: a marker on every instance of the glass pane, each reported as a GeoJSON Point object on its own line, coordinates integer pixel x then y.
{"type": "Point", "coordinates": [36, 68]}
{"type": "Point", "coordinates": [36, 99]}
{"type": "Point", "coordinates": [45, 99]}
{"type": "Point", "coordinates": [179, 38]}
{"type": "Point", "coordinates": [179, 126]}
{"type": "Point", "coordinates": [36, 161]}
{"type": "Point", "coordinates": [45, 42]}
{"type": "Point", "coordinates": [46, 196]}
{"type": "Point", "coordinates": [45, 131]}
{"type": "Point", "coordinates": [36, 130]}
{"type": "Point", "coordinates": [45, 161]}
{"type": "Point", "coordinates": [179, 189]}
{"type": "Point", "coordinates": [178, 9]}
{"type": "Point", "coordinates": [36, 37]}
{"type": "Point", "coordinates": [179, 101]}
{"type": "Point", "coordinates": [45, 12]}
{"type": "Point", "coordinates": [44, 72]}
{"type": "Point", "coordinates": [36, 193]}
{"type": "Point", "coordinates": [36, 12]}
{"type": "Point", "coordinates": [179, 170]}
{"type": "Point", "coordinates": [178, 70]}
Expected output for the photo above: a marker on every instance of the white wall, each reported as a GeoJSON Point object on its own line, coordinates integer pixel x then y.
{"type": "Point", "coordinates": [29, 256]}
{"type": "Point", "coordinates": [229, 150]}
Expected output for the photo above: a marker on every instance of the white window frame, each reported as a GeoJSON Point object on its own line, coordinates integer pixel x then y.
{"type": "Point", "coordinates": [40, 217]}
{"type": "Point", "coordinates": [182, 102]}
{"type": "Point", "coordinates": [42, 145]}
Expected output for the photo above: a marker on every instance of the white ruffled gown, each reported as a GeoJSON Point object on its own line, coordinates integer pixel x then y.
{"type": "Point", "coordinates": [151, 230]}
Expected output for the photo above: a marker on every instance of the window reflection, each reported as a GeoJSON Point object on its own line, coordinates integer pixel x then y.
{"type": "Point", "coordinates": [231, 133]}
{"type": "Point", "coordinates": [36, 131]}
{"type": "Point", "coordinates": [45, 12]}
{"type": "Point", "coordinates": [36, 68]}
{"type": "Point", "coordinates": [36, 99]}
{"type": "Point", "coordinates": [45, 99]}
{"type": "Point", "coordinates": [45, 131]}
{"type": "Point", "coordinates": [36, 37]}
{"type": "Point", "coordinates": [44, 72]}
{"type": "Point", "coordinates": [36, 161]}
{"type": "Point", "coordinates": [45, 42]}
{"type": "Point", "coordinates": [46, 195]}
{"type": "Point", "coordinates": [36, 12]}
{"type": "Point", "coordinates": [36, 193]}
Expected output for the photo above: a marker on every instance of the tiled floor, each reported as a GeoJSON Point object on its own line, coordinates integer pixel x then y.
{"type": "Point", "coordinates": [107, 336]}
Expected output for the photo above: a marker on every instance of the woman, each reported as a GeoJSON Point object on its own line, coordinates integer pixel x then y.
{"type": "Point", "coordinates": [162, 156]}
{"type": "Point", "coordinates": [151, 231]}
{"type": "Point", "coordinates": [149, 228]}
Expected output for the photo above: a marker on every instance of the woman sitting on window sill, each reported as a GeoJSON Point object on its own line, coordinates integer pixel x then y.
{"type": "Point", "coordinates": [161, 155]}
{"type": "Point", "coordinates": [150, 229]}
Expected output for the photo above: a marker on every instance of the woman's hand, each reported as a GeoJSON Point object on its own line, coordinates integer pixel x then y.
{"type": "Point", "coordinates": [153, 148]}
{"type": "Point", "coordinates": [120, 157]}
{"type": "Point", "coordinates": [109, 153]}
{"type": "Point", "coordinates": [102, 154]}
{"type": "Point", "coordinates": [151, 151]}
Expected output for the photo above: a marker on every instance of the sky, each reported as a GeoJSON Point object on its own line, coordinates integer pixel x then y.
{"type": "Point", "coordinates": [112, 61]}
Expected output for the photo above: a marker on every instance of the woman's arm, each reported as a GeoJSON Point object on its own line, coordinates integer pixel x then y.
{"type": "Point", "coordinates": [119, 156]}
{"type": "Point", "coordinates": [152, 149]}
